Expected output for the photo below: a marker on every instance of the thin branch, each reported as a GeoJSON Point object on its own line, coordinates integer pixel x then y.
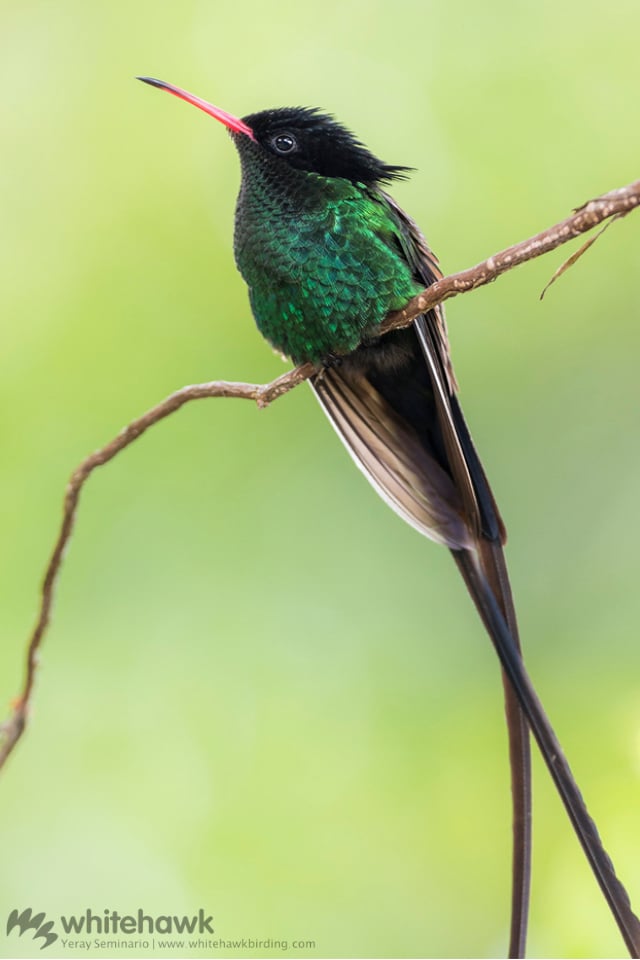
{"type": "Point", "coordinates": [617, 203]}
{"type": "Point", "coordinates": [262, 394]}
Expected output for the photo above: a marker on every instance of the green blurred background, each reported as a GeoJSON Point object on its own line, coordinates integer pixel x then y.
{"type": "Point", "coordinates": [262, 694]}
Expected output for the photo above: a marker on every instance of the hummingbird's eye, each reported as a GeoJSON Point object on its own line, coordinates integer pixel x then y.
{"type": "Point", "coordinates": [284, 143]}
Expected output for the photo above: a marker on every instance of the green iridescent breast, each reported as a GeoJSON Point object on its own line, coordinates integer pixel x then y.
{"type": "Point", "coordinates": [322, 261]}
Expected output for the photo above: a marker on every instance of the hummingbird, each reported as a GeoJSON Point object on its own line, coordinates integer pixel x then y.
{"type": "Point", "coordinates": [327, 254]}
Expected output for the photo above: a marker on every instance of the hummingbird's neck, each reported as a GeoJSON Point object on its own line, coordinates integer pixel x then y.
{"type": "Point", "coordinates": [281, 190]}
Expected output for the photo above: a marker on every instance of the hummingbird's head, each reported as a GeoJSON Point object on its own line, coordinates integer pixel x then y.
{"type": "Point", "coordinates": [301, 137]}
{"type": "Point", "coordinates": [307, 139]}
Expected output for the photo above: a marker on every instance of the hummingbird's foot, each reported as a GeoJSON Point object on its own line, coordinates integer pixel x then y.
{"type": "Point", "coordinates": [332, 360]}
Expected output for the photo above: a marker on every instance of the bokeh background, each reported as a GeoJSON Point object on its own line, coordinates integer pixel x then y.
{"type": "Point", "coordinates": [262, 694]}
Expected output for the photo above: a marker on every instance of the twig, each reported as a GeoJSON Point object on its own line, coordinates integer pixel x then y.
{"type": "Point", "coordinates": [263, 394]}
{"type": "Point", "coordinates": [617, 203]}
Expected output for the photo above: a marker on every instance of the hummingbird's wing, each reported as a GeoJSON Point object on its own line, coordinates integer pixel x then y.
{"type": "Point", "coordinates": [393, 404]}
{"type": "Point", "coordinates": [391, 454]}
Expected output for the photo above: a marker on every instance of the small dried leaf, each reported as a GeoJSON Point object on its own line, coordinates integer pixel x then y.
{"type": "Point", "coordinates": [576, 256]}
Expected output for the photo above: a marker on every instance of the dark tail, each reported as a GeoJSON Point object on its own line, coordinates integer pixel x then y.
{"type": "Point", "coordinates": [407, 434]}
{"type": "Point", "coordinates": [390, 424]}
{"type": "Point", "coordinates": [491, 559]}
{"type": "Point", "coordinates": [472, 568]}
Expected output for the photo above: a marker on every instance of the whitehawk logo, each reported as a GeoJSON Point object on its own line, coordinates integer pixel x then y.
{"type": "Point", "coordinates": [27, 920]}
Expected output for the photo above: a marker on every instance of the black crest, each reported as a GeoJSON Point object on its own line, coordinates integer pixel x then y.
{"type": "Point", "coordinates": [308, 139]}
